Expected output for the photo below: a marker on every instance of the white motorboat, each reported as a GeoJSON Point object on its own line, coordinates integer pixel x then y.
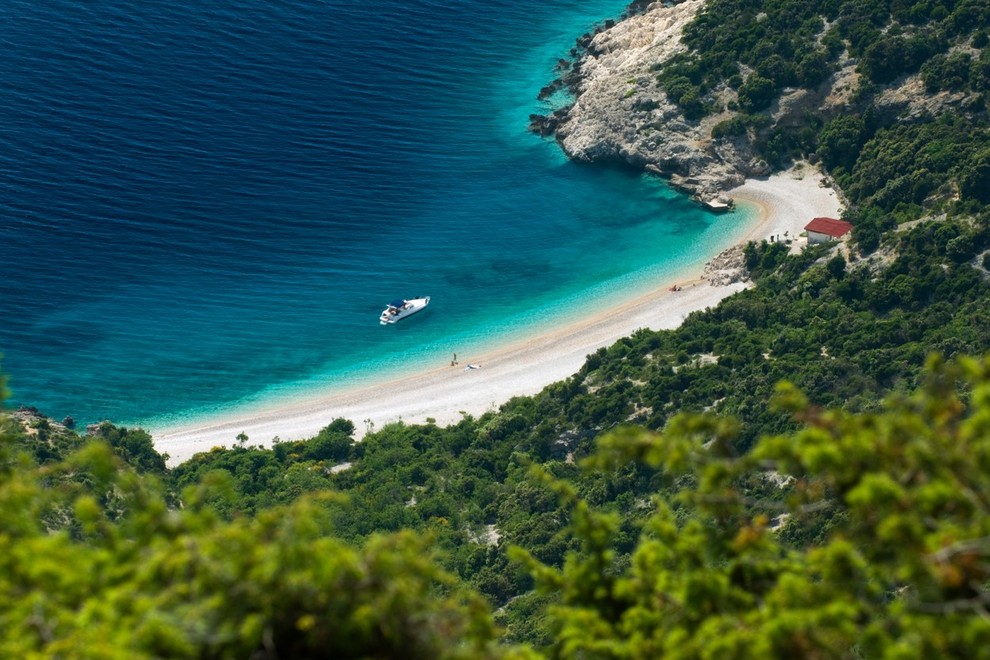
{"type": "Point", "coordinates": [400, 309]}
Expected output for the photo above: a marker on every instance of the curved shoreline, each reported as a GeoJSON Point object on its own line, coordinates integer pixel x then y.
{"type": "Point", "coordinates": [787, 202]}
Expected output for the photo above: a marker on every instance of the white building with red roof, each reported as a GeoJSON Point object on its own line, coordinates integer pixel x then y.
{"type": "Point", "coordinates": [821, 230]}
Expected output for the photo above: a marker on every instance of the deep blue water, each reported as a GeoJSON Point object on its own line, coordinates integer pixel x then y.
{"type": "Point", "coordinates": [208, 201]}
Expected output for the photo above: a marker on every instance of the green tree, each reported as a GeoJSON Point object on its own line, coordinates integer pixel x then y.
{"type": "Point", "coordinates": [756, 93]}
{"type": "Point", "coordinates": [976, 178]}
{"type": "Point", "coordinates": [858, 535]}
{"type": "Point", "coordinates": [93, 563]}
{"type": "Point", "coordinates": [840, 141]}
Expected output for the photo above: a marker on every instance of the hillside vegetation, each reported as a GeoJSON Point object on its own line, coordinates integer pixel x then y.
{"type": "Point", "coordinates": [788, 474]}
{"type": "Point", "coordinates": [862, 532]}
{"type": "Point", "coordinates": [904, 123]}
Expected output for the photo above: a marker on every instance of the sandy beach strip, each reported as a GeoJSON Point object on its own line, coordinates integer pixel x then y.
{"type": "Point", "coordinates": [787, 202]}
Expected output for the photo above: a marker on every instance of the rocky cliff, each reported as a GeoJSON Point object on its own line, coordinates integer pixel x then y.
{"type": "Point", "coordinates": [621, 114]}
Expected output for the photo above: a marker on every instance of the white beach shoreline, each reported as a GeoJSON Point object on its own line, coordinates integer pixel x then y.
{"type": "Point", "coordinates": [787, 202]}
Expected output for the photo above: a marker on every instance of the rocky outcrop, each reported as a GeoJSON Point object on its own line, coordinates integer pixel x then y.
{"type": "Point", "coordinates": [31, 419]}
{"type": "Point", "coordinates": [909, 100]}
{"type": "Point", "coordinates": [727, 268]}
{"type": "Point", "coordinates": [621, 114]}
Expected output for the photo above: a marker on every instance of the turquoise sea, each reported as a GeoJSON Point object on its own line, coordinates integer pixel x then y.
{"type": "Point", "coordinates": [209, 202]}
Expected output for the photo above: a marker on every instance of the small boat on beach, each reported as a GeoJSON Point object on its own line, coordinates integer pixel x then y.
{"type": "Point", "coordinates": [399, 309]}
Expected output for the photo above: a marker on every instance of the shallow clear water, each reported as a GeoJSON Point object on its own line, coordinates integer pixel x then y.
{"type": "Point", "coordinates": [208, 202]}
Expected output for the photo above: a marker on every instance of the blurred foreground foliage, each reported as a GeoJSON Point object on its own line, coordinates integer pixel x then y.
{"type": "Point", "coordinates": [892, 507]}
{"type": "Point", "coordinates": [858, 534]}
{"type": "Point", "coordinates": [94, 563]}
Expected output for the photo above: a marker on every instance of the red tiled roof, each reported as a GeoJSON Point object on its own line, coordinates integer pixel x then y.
{"type": "Point", "coordinates": [829, 226]}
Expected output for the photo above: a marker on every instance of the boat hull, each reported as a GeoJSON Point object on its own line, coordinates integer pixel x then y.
{"type": "Point", "coordinates": [395, 312]}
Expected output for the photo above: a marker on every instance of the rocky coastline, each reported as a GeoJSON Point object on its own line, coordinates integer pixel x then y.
{"type": "Point", "coordinates": [620, 113]}
{"type": "Point", "coordinates": [728, 267]}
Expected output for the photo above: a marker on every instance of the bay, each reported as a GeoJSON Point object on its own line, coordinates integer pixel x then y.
{"type": "Point", "coordinates": [205, 203]}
